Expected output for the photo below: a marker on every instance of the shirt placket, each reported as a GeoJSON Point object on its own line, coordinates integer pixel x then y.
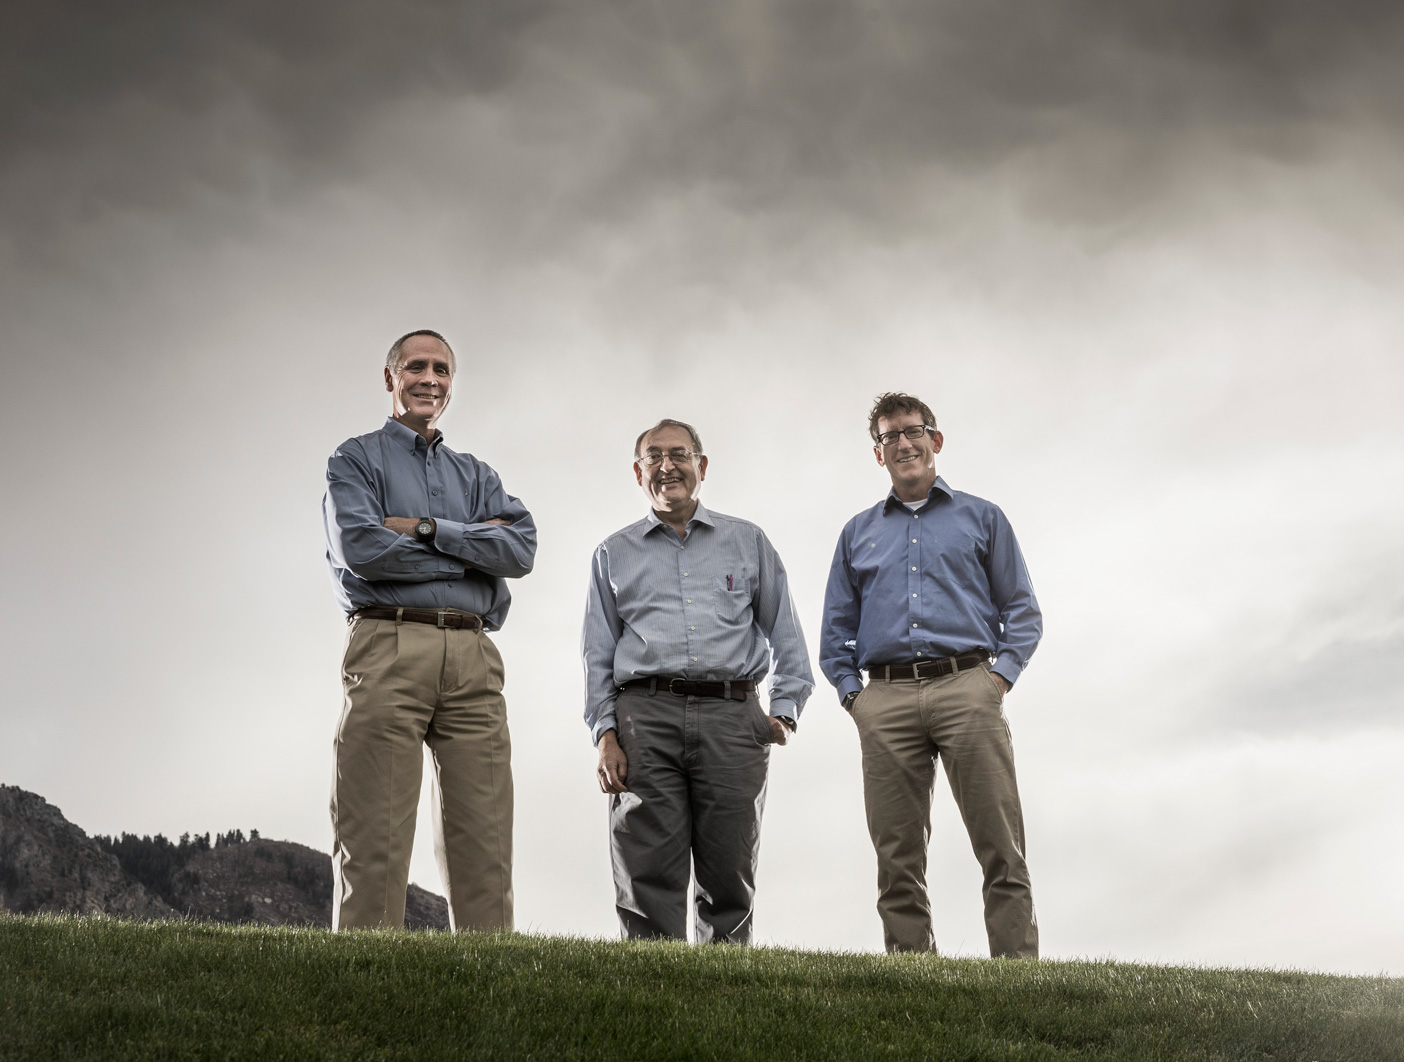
{"type": "Point", "coordinates": [916, 636]}
{"type": "Point", "coordinates": [687, 593]}
{"type": "Point", "coordinates": [434, 485]}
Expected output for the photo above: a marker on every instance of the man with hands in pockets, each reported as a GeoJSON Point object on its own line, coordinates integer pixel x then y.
{"type": "Point", "coordinates": [928, 593]}
{"type": "Point", "coordinates": [687, 611]}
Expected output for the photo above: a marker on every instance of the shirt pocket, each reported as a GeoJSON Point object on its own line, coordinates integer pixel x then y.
{"type": "Point", "coordinates": [733, 606]}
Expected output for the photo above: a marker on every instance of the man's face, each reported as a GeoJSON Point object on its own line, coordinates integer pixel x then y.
{"type": "Point", "coordinates": [670, 485]}
{"type": "Point", "coordinates": [422, 386]}
{"type": "Point", "coordinates": [910, 462]}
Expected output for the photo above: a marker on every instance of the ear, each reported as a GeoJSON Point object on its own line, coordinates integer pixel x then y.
{"type": "Point", "coordinates": [389, 379]}
{"type": "Point", "coordinates": [936, 440]}
{"type": "Point", "coordinates": [701, 469]}
{"type": "Point", "coordinates": [638, 473]}
{"type": "Point", "coordinates": [877, 452]}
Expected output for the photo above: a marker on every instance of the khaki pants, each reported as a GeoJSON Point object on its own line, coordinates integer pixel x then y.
{"type": "Point", "coordinates": [407, 685]}
{"type": "Point", "coordinates": [903, 725]}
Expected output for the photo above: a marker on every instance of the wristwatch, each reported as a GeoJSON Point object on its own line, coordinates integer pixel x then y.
{"type": "Point", "coordinates": [424, 530]}
{"type": "Point", "coordinates": [848, 701]}
{"type": "Point", "coordinates": [788, 723]}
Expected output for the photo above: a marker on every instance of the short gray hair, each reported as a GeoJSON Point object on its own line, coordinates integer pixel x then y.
{"type": "Point", "coordinates": [392, 359]}
{"type": "Point", "coordinates": [667, 422]}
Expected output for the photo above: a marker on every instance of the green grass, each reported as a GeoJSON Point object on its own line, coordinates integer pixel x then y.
{"type": "Point", "coordinates": [97, 988]}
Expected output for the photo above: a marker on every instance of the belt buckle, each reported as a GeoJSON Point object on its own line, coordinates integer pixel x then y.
{"type": "Point", "coordinates": [674, 692]}
{"type": "Point", "coordinates": [442, 614]}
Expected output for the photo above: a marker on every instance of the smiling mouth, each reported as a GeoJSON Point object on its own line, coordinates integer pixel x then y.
{"type": "Point", "coordinates": [904, 460]}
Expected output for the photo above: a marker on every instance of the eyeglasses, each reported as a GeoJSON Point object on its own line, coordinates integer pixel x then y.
{"type": "Point", "coordinates": [654, 458]}
{"type": "Point", "coordinates": [911, 431]}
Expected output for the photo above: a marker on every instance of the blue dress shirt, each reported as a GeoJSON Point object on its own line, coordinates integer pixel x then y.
{"type": "Point", "coordinates": [394, 472]}
{"type": "Point", "coordinates": [715, 606]}
{"type": "Point", "coordinates": [940, 581]}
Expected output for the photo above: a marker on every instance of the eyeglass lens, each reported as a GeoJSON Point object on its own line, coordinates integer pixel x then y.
{"type": "Point", "coordinates": [678, 457]}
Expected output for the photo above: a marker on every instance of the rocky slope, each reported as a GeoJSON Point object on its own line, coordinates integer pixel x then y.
{"type": "Point", "coordinates": [47, 864]}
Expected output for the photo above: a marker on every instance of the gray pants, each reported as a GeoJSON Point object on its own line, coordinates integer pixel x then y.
{"type": "Point", "coordinates": [696, 775]}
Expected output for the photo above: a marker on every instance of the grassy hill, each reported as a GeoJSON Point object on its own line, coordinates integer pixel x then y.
{"type": "Point", "coordinates": [98, 988]}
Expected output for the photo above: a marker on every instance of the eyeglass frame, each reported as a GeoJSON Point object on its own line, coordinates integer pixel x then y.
{"type": "Point", "coordinates": [884, 441]}
{"type": "Point", "coordinates": [678, 456]}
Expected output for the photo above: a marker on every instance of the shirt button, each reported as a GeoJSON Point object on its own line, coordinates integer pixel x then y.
{"type": "Point", "coordinates": [694, 628]}
{"type": "Point", "coordinates": [689, 600]}
{"type": "Point", "coordinates": [913, 540]}
{"type": "Point", "coordinates": [918, 654]}
{"type": "Point", "coordinates": [913, 567]}
{"type": "Point", "coordinates": [913, 626]}
{"type": "Point", "coordinates": [914, 595]}
{"type": "Point", "coordinates": [694, 659]}
{"type": "Point", "coordinates": [684, 575]}
{"type": "Point", "coordinates": [436, 494]}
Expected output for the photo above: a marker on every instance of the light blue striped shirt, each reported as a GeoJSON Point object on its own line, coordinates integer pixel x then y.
{"type": "Point", "coordinates": [715, 606]}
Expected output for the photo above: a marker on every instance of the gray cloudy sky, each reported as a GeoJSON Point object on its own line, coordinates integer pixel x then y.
{"type": "Point", "coordinates": [1144, 260]}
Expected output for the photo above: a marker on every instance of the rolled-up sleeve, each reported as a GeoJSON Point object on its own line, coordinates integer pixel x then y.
{"type": "Point", "coordinates": [357, 538]}
{"type": "Point", "coordinates": [598, 641]}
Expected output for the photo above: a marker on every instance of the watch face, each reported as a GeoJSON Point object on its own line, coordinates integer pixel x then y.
{"type": "Point", "coordinates": [425, 529]}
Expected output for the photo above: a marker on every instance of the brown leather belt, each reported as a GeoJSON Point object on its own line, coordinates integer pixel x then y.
{"type": "Point", "coordinates": [439, 617]}
{"type": "Point", "coordinates": [732, 689]}
{"type": "Point", "coordinates": [920, 669]}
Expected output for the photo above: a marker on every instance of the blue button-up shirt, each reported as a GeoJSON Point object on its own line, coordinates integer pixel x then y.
{"type": "Point", "coordinates": [940, 581]}
{"type": "Point", "coordinates": [395, 472]}
{"type": "Point", "coordinates": [714, 606]}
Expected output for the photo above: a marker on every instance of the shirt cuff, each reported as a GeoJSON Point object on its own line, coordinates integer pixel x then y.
{"type": "Point", "coordinates": [1008, 669]}
{"type": "Point", "coordinates": [780, 706]}
{"type": "Point", "coordinates": [852, 684]}
{"type": "Point", "coordinates": [603, 723]}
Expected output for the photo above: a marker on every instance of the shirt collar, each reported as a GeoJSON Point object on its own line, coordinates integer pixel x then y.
{"type": "Point", "coordinates": [409, 436]}
{"type": "Point", "coordinates": [701, 516]}
{"type": "Point", "coordinates": [940, 485]}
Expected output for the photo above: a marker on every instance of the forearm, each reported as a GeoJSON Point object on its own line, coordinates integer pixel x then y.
{"type": "Point", "coordinates": [504, 545]}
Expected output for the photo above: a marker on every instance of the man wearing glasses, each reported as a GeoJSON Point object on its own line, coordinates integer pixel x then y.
{"type": "Point", "coordinates": [929, 595]}
{"type": "Point", "coordinates": [686, 611]}
{"type": "Point", "coordinates": [420, 540]}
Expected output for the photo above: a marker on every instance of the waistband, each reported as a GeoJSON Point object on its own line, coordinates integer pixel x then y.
{"type": "Point", "coordinates": [440, 617]}
{"type": "Point", "coordinates": [919, 669]}
{"type": "Point", "coordinates": [729, 689]}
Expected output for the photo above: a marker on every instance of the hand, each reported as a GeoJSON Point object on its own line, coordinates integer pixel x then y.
{"type": "Point", "coordinates": [499, 521]}
{"type": "Point", "coordinates": [402, 525]}
{"type": "Point", "coordinates": [614, 765]}
{"type": "Point", "coordinates": [1001, 682]}
{"type": "Point", "coordinates": [779, 732]}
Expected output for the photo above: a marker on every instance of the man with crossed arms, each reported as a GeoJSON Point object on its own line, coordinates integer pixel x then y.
{"type": "Point", "coordinates": [686, 612]}
{"type": "Point", "coordinates": [929, 594]}
{"type": "Point", "coordinates": [420, 540]}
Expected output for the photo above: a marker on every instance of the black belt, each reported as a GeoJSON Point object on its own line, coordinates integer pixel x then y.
{"type": "Point", "coordinates": [439, 617]}
{"type": "Point", "coordinates": [732, 689]}
{"type": "Point", "coordinates": [919, 669]}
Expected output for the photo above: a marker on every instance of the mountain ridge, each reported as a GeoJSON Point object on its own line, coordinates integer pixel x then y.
{"type": "Point", "coordinates": [50, 865]}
